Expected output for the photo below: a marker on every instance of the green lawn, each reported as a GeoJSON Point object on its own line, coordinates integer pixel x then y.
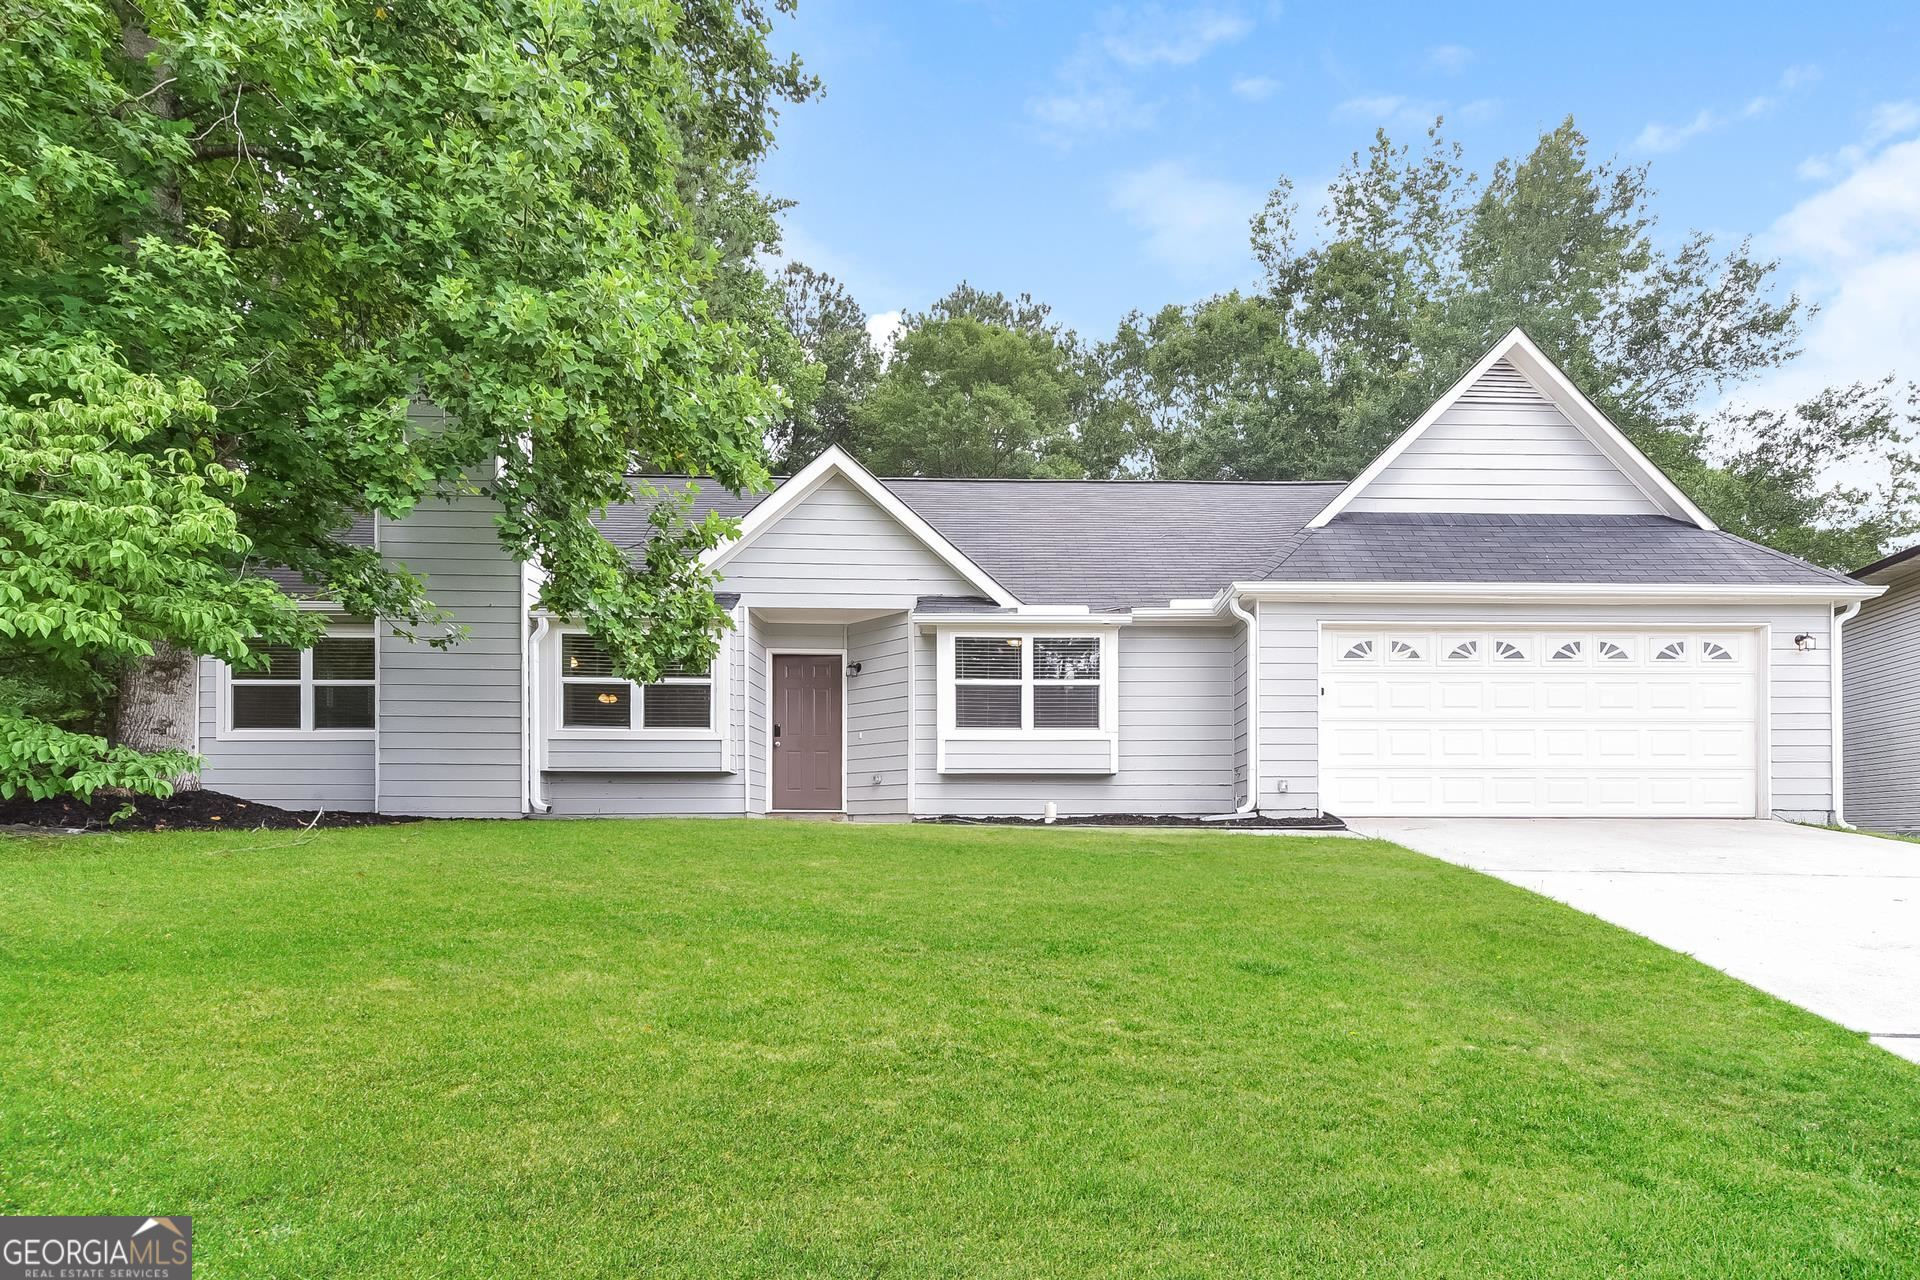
{"type": "Point", "coordinates": [768, 1049]}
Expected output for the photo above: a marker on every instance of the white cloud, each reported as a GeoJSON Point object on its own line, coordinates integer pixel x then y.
{"type": "Point", "coordinates": [1450, 58]}
{"type": "Point", "coordinates": [884, 327]}
{"type": "Point", "coordinates": [1153, 35]}
{"type": "Point", "coordinates": [1090, 109]}
{"type": "Point", "coordinates": [1671, 137]}
{"type": "Point", "coordinates": [1872, 209]}
{"type": "Point", "coordinates": [1477, 110]}
{"type": "Point", "coordinates": [1390, 108]}
{"type": "Point", "coordinates": [1854, 249]}
{"type": "Point", "coordinates": [1887, 120]}
{"type": "Point", "coordinates": [1798, 76]}
{"type": "Point", "coordinates": [1094, 92]}
{"type": "Point", "coordinates": [1254, 88]}
{"type": "Point", "coordinates": [1658, 136]}
{"type": "Point", "coordinates": [1193, 224]}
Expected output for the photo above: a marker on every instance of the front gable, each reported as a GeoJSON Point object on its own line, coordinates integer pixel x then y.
{"type": "Point", "coordinates": [834, 537]}
{"type": "Point", "coordinates": [1514, 436]}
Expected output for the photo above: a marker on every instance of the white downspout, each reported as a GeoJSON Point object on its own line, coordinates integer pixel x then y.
{"type": "Point", "coordinates": [536, 720]}
{"type": "Point", "coordinates": [1838, 751]}
{"type": "Point", "coordinates": [1251, 805]}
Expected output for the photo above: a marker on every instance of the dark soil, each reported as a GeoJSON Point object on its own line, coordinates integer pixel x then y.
{"type": "Point", "coordinates": [1326, 822]}
{"type": "Point", "coordinates": [182, 811]}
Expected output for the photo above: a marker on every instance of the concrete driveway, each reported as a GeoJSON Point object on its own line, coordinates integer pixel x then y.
{"type": "Point", "coordinates": [1828, 920]}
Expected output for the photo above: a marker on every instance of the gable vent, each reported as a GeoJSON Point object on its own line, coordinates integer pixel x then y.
{"type": "Point", "coordinates": [1503, 385]}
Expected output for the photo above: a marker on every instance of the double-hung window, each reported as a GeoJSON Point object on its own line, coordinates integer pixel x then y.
{"type": "Point", "coordinates": [593, 697]}
{"type": "Point", "coordinates": [1027, 682]}
{"type": "Point", "coordinates": [326, 689]}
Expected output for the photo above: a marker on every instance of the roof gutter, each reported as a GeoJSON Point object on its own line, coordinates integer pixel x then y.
{"type": "Point", "coordinates": [532, 757]}
{"type": "Point", "coordinates": [1838, 701]}
{"type": "Point", "coordinates": [1535, 592]}
{"type": "Point", "coordinates": [1251, 805]}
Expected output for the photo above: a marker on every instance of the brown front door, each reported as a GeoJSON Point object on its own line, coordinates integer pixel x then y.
{"type": "Point", "coordinates": [806, 731]}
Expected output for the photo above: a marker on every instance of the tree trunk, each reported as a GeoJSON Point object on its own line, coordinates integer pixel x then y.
{"type": "Point", "coordinates": [159, 706]}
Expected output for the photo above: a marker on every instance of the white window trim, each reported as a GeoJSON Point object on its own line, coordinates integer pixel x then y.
{"type": "Point", "coordinates": [946, 701]}
{"type": "Point", "coordinates": [716, 680]}
{"type": "Point", "coordinates": [223, 700]}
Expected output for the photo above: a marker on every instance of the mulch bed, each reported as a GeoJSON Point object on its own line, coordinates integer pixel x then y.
{"type": "Point", "coordinates": [182, 811]}
{"type": "Point", "coordinates": [1326, 822]}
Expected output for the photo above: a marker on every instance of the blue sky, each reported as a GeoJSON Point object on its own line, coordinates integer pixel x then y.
{"type": "Point", "coordinates": [1107, 157]}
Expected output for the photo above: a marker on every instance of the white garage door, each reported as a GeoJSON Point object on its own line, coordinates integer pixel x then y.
{"type": "Point", "coordinates": [1531, 722]}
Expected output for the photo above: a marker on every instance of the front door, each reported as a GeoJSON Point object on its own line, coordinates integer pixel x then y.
{"type": "Point", "coordinates": [806, 731]}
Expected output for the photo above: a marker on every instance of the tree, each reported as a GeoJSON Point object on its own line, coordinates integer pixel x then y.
{"type": "Point", "coordinates": [315, 215]}
{"type": "Point", "coordinates": [109, 553]}
{"type": "Point", "coordinates": [985, 385]}
{"type": "Point", "coordinates": [1423, 266]}
{"type": "Point", "coordinates": [832, 332]}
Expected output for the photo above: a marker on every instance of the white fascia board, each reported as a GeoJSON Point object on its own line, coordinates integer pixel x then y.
{"type": "Point", "coordinates": [837, 462]}
{"type": "Point", "coordinates": [1545, 374]}
{"type": "Point", "coordinates": [1522, 592]}
{"type": "Point", "coordinates": [1024, 620]}
{"type": "Point", "coordinates": [1181, 611]}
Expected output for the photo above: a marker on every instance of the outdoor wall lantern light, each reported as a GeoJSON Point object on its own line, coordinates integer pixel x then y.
{"type": "Point", "coordinates": [1803, 642]}
{"type": "Point", "coordinates": [853, 669]}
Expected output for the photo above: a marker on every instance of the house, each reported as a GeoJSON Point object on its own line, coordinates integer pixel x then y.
{"type": "Point", "coordinates": [1510, 612]}
{"type": "Point", "coordinates": [1881, 699]}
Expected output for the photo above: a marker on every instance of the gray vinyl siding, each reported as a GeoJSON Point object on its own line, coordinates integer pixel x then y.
{"type": "Point", "coordinates": [1014, 754]}
{"type": "Point", "coordinates": [877, 717]}
{"type": "Point", "coordinates": [1504, 446]}
{"type": "Point", "coordinates": [755, 741]}
{"type": "Point", "coordinates": [450, 719]}
{"type": "Point", "coordinates": [292, 773]}
{"type": "Point", "coordinates": [641, 778]}
{"type": "Point", "coordinates": [1177, 712]}
{"type": "Point", "coordinates": [836, 549]}
{"type": "Point", "coordinates": [1880, 678]}
{"type": "Point", "coordinates": [614, 753]}
{"type": "Point", "coordinates": [1798, 696]}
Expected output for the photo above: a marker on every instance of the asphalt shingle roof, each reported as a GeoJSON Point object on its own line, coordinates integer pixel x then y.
{"type": "Point", "coordinates": [1122, 544]}
{"type": "Point", "coordinates": [1438, 547]}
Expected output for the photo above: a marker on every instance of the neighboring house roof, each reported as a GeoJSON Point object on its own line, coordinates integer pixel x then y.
{"type": "Point", "coordinates": [1882, 566]}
